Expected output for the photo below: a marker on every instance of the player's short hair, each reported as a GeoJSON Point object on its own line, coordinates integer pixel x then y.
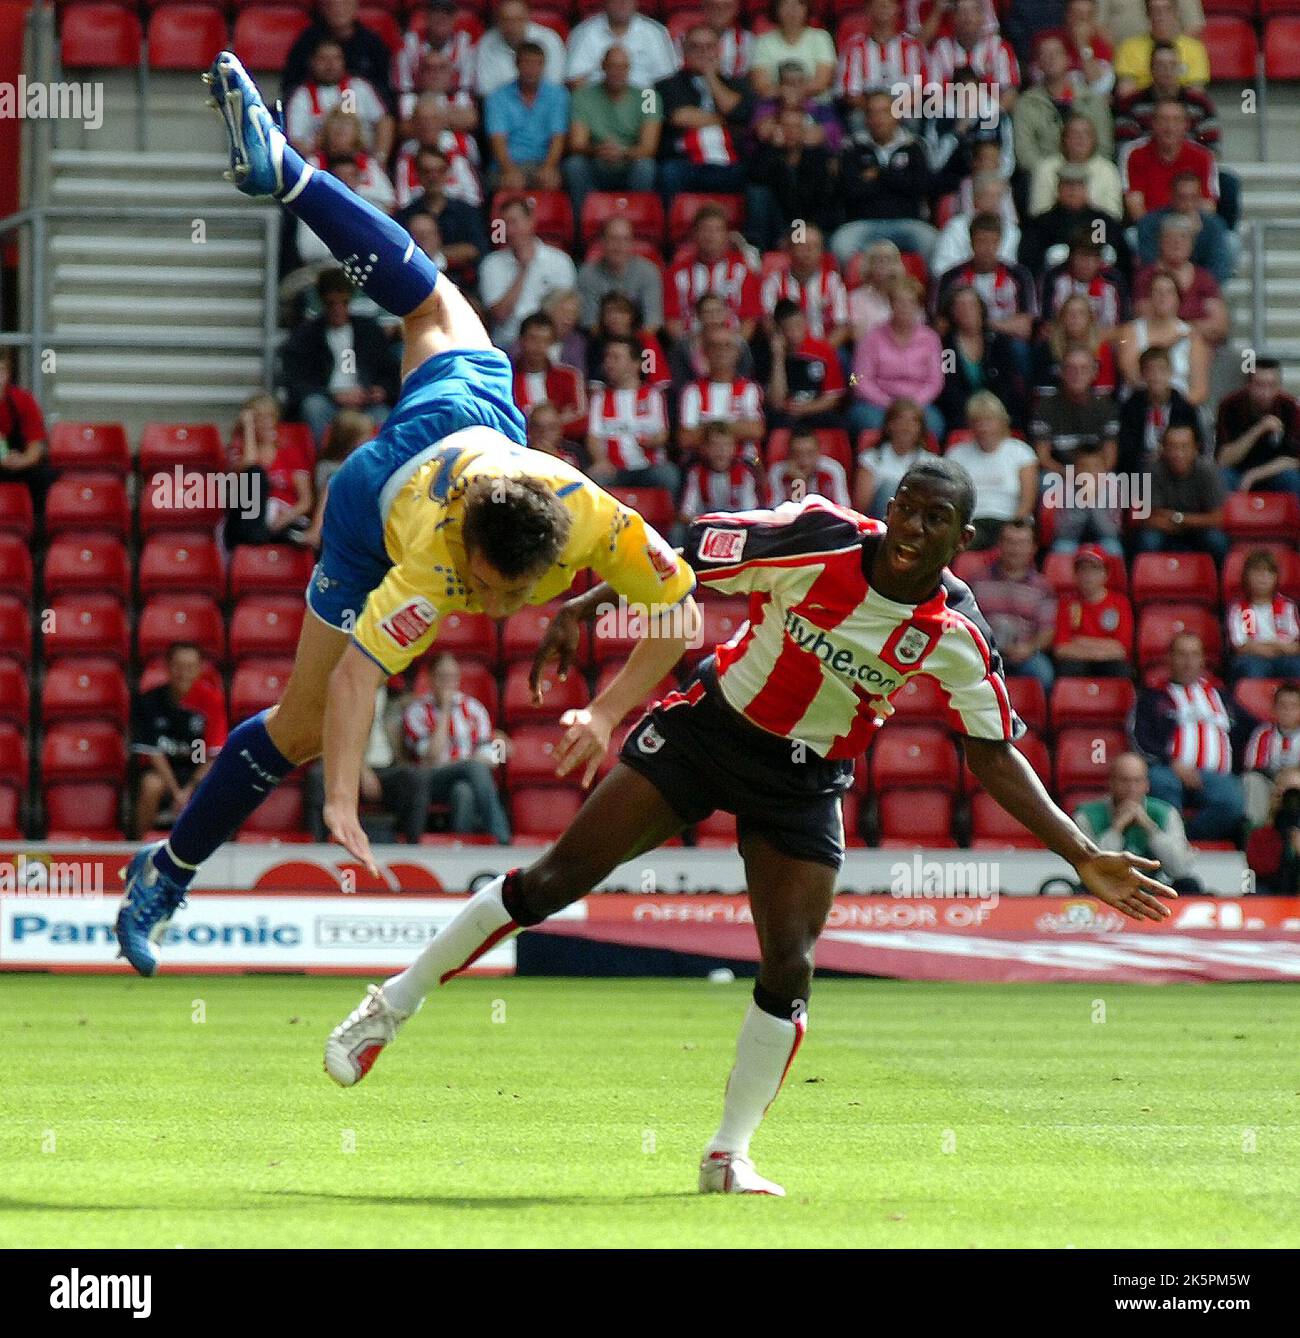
{"type": "Point", "coordinates": [938, 469]}
{"type": "Point", "coordinates": [519, 525]}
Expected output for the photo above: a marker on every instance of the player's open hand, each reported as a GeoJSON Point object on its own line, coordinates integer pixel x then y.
{"type": "Point", "coordinates": [1118, 879]}
{"type": "Point", "coordinates": [345, 828]}
{"type": "Point", "coordinates": [586, 737]}
{"type": "Point", "coordinates": [559, 643]}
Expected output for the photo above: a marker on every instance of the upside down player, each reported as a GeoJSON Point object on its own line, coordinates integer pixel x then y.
{"type": "Point", "coordinates": [445, 509]}
{"type": "Point", "coordinates": [841, 611]}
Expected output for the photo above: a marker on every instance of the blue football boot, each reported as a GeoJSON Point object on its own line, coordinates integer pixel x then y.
{"type": "Point", "coordinates": [256, 141]}
{"type": "Point", "coordinates": [146, 910]}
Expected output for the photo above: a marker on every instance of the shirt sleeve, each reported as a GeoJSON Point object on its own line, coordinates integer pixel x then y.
{"type": "Point", "coordinates": [398, 623]}
{"type": "Point", "coordinates": [969, 672]}
{"type": "Point", "coordinates": [635, 559]}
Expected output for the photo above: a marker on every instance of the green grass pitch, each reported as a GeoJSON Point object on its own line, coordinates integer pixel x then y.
{"type": "Point", "coordinates": [517, 1112]}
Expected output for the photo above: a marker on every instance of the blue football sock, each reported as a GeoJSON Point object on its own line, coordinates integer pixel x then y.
{"type": "Point", "coordinates": [247, 769]}
{"type": "Point", "coordinates": [376, 253]}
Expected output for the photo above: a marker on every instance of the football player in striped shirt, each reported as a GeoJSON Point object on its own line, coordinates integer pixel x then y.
{"type": "Point", "coordinates": [842, 611]}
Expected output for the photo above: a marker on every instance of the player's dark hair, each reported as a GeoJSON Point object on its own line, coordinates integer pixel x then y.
{"type": "Point", "coordinates": [938, 469]}
{"type": "Point", "coordinates": [517, 524]}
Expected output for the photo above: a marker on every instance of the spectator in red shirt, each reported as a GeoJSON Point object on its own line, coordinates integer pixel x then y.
{"type": "Point", "coordinates": [712, 264]}
{"type": "Point", "coordinates": [1263, 626]}
{"type": "Point", "coordinates": [806, 472]}
{"type": "Point", "coordinates": [1201, 302]}
{"type": "Point", "coordinates": [537, 378]}
{"type": "Point", "coordinates": [807, 384]}
{"type": "Point", "coordinates": [546, 433]}
{"type": "Point", "coordinates": [282, 487]}
{"type": "Point", "coordinates": [627, 430]}
{"type": "Point", "coordinates": [720, 480]}
{"type": "Point", "coordinates": [620, 318]}
{"type": "Point", "coordinates": [1094, 628]}
{"type": "Point", "coordinates": [1153, 163]}
{"type": "Point", "coordinates": [721, 395]}
{"type": "Point", "coordinates": [22, 437]}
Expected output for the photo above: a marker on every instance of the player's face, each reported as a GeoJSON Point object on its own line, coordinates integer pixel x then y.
{"type": "Point", "coordinates": [497, 595]}
{"type": "Point", "coordinates": [924, 533]}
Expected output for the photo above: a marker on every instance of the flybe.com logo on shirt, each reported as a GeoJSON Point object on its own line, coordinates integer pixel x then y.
{"type": "Point", "coordinates": [839, 659]}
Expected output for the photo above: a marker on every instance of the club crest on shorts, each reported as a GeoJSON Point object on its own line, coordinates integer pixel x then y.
{"type": "Point", "coordinates": [911, 646]}
{"type": "Point", "coordinates": [722, 545]}
{"type": "Point", "coordinates": [651, 740]}
{"type": "Point", "coordinates": [407, 624]}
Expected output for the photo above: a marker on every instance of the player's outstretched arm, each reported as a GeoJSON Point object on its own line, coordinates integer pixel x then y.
{"type": "Point", "coordinates": [349, 714]}
{"type": "Point", "coordinates": [1119, 879]}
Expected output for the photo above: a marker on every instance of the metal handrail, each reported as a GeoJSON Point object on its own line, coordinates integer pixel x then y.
{"type": "Point", "coordinates": [38, 337]}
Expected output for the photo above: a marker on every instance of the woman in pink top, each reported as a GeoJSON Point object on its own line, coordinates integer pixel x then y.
{"type": "Point", "coordinates": [901, 359]}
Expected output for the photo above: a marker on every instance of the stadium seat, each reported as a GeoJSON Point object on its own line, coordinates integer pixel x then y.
{"type": "Point", "coordinates": [1282, 47]}
{"type": "Point", "coordinates": [85, 625]}
{"type": "Point", "coordinates": [720, 619]}
{"type": "Point", "coordinates": [81, 812]}
{"type": "Point", "coordinates": [86, 750]}
{"type": "Point", "coordinates": [1255, 696]}
{"type": "Point", "coordinates": [15, 566]}
{"type": "Point", "coordinates": [279, 817]}
{"type": "Point", "coordinates": [99, 36]}
{"type": "Point", "coordinates": [193, 446]}
{"type": "Point", "coordinates": [1028, 700]}
{"type": "Point", "coordinates": [15, 629]}
{"type": "Point", "coordinates": [681, 19]}
{"type": "Point", "coordinates": [654, 504]}
{"type": "Point", "coordinates": [540, 814]}
{"type": "Point", "coordinates": [1084, 755]}
{"type": "Point", "coordinates": [1032, 749]}
{"type": "Point", "coordinates": [1160, 623]}
{"type": "Point", "coordinates": [97, 447]}
{"type": "Point", "coordinates": [717, 830]}
{"type": "Point", "coordinates": [1174, 578]}
{"type": "Point", "coordinates": [522, 634]}
{"type": "Point", "coordinates": [993, 828]}
{"type": "Point", "coordinates": [1058, 568]}
{"type": "Point", "coordinates": [919, 699]}
{"type": "Point", "coordinates": [13, 754]}
{"type": "Point", "coordinates": [557, 696]}
{"type": "Point", "coordinates": [476, 680]}
{"type": "Point", "coordinates": [554, 19]}
{"type": "Point", "coordinates": [185, 36]}
{"type": "Point", "coordinates": [85, 689]}
{"type": "Point", "coordinates": [834, 443]}
{"type": "Point", "coordinates": [1091, 701]}
{"type": "Point", "coordinates": [10, 808]}
{"type": "Point", "coordinates": [15, 695]}
{"type": "Point", "coordinates": [913, 758]}
{"type": "Point", "coordinates": [195, 508]}
{"type": "Point", "coordinates": [532, 757]}
{"type": "Point", "coordinates": [381, 22]}
{"type": "Point", "coordinates": [16, 513]}
{"type": "Point", "coordinates": [270, 569]}
{"type": "Point", "coordinates": [643, 209]}
{"type": "Point", "coordinates": [265, 625]}
{"type": "Point", "coordinates": [1232, 46]}
{"type": "Point", "coordinates": [681, 217]}
{"type": "Point", "coordinates": [1288, 569]}
{"type": "Point", "coordinates": [1262, 515]}
{"type": "Point", "coordinates": [552, 213]}
{"type": "Point", "coordinates": [264, 35]}
{"type": "Point", "coordinates": [168, 618]}
{"type": "Point", "coordinates": [916, 818]}
{"type": "Point", "coordinates": [90, 562]}
{"type": "Point", "coordinates": [970, 567]}
{"type": "Point", "coordinates": [180, 564]}
{"type": "Point", "coordinates": [84, 502]}
{"type": "Point", "coordinates": [468, 636]}
{"type": "Point", "coordinates": [255, 685]}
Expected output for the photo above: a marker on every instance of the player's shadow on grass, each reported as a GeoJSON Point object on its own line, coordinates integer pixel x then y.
{"type": "Point", "coordinates": [483, 1200]}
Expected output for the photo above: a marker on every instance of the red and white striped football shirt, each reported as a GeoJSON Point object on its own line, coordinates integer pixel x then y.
{"type": "Point", "coordinates": [828, 480]}
{"type": "Point", "coordinates": [469, 730]}
{"type": "Point", "coordinates": [735, 401]}
{"type": "Point", "coordinates": [1201, 737]}
{"type": "Point", "coordinates": [735, 51]}
{"type": "Point", "coordinates": [1262, 622]}
{"type": "Point", "coordinates": [406, 63]}
{"type": "Point", "coordinates": [560, 385]}
{"type": "Point", "coordinates": [991, 58]}
{"type": "Point", "coordinates": [866, 64]}
{"type": "Point", "coordinates": [821, 645]}
{"type": "Point", "coordinates": [462, 169]}
{"type": "Point", "coordinates": [823, 299]}
{"type": "Point", "coordinates": [1270, 749]}
{"type": "Point", "coordinates": [731, 489]}
{"type": "Point", "coordinates": [730, 278]}
{"type": "Point", "coordinates": [624, 420]}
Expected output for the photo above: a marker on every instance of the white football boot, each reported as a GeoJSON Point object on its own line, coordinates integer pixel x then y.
{"type": "Point", "coordinates": [730, 1173]}
{"type": "Point", "coordinates": [354, 1045]}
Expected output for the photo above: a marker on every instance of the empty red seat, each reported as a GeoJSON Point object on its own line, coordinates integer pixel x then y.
{"type": "Point", "coordinates": [1255, 696]}
{"type": "Point", "coordinates": [92, 562]}
{"type": "Point", "coordinates": [279, 817]}
{"type": "Point", "coordinates": [720, 620]}
{"type": "Point", "coordinates": [101, 447]}
{"type": "Point", "coordinates": [522, 633]}
{"type": "Point", "coordinates": [1288, 568]}
{"type": "Point", "coordinates": [257, 684]}
{"type": "Point", "coordinates": [541, 813]}
{"type": "Point", "coordinates": [1083, 757]}
{"type": "Point", "coordinates": [1232, 46]}
{"type": "Point", "coordinates": [180, 564]}
{"type": "Point", "coordinates": [644, 210]}
{"type": "Point", "coordinates": [99, 36]}
{"type": "Point", "coordinates": [193, 446]}
{"type": "Point", "coordinates": [916, 818]}
{"type": "Point", "coordinates": [84, 750]}
{"type": "Point", "coordinates": [1160, 623]}
{"type": "Point", "coordinates": [1028, 700]}
{"type": "Point", "coordinates": [552, 213]}
{"type": "Point", "coordinates": [557, 696]}
{"type": "Point", "coordinates": [834, 443]}
{"type": "Point", "coordinates": [1262, 515]}
{"type": "Point", "coordinates": [270, 569]}
{"type": "Point", "coordinates": [13, 753]}
{"type": "Point", "coordinates": [920, 698]}
{"type": "Point", "coordinates": [187, 501]}
{"type": "Point", "coordinates": [1091, 701]}
{"type": "Point", "coordinates": [168, 618]}
{"type": "Point", "coordinates": [264, 35]}
{"type": "Point", "coordinates": [532, 757]}
{"type": "Point", "coordinates": [1282, 48]}
{"type": "Point", "coordinates": [85, 625]}
{"type": "Point", "coordinates": [15, 629]}
{"type": "Point", "coordinates": [10, 811]}
{"type": "Point", "coordinates": [468, 636]}
{"type": "Point", "coordinates": [970, 567]}
{"type": "Point", "coordinates": [15, 696]}
{"type": "Point", "coordinates": [380, 22]}
{"type": "Point", "coordinates": [1058, 568]}
{"type": "Point", "coordinates": [185, 36]}
{"type": "Point", "coordinates": [15, 566]}
{"type": "Point", "coordinates": [85, 689]}
{"type": "Point", "coordinates": [681, 216]}
{"type": "Point", "coordinates": [910, 757]}
{"type": "Point", "coordinates": [1174, 578]}
{"type": "Point", "coordinates": [265, 625]}
{"type": "Point", "coordinates": [85, 502]}
{"type": "Point", "coordinates": [83, 812]}
{"type": "Point", "coordinates": [16, 513]}
{"type": "Point", "coordinates": [993, 828]}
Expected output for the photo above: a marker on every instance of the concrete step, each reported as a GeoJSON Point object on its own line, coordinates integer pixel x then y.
{"type": "Point", "coordinates": [150, 250]}
{"type": "Point", "coordinates": [174, 278]}
{"type": "Point", "coordinates": [109, 190]}
{"type": "Point", "coordinates": [182, 367]}
{"type": "Point", "coordinates": [199, 399]}
{"type": "Point", "coordinates": [129, 309]}
{"type": "Point", "coordinates": [167, 336]}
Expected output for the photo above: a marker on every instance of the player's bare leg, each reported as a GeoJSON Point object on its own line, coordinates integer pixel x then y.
{"type": "Point", "coordinates": [624, 816]}
{"type": "Point", "coordinates": [790, 899]}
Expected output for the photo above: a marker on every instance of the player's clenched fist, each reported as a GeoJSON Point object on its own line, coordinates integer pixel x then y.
{"type": "Point", "coordinates": [586, 737]}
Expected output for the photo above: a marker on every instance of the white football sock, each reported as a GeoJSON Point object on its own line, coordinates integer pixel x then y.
{"type": "Point", "coordinates": [482, 923]}
{"type": "Point", "coordinates": [764, 1051]}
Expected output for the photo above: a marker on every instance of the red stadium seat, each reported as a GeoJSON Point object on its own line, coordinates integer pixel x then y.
{"type": "Point", "coordinates": [1034, 751]}
{"type": "Point", "coordinates": [270, 569]}
{"type": "Point", "coordinates": [913, 758]}
{"type": "Point", "coordinates": [834, 443]}
{"type": "Point", "coordinates": [532, 757]}
{"type": "Point", "coordinates": [540, 814]}
{"type": "Point", "coordinates": [265, 625]}
{"type": "Point", "coordinates": [13, 754]}
{"type": "Point", "coordinates": [99, 447]}
{"type": "Point", "coordinates": [970, 567]}
{"type": "Point", "coordinates": [554, 19]}
{"type": "Point", "coordinates": [193, 446]}
{"type": "Point", "coordinates": [194, 507]}
{"type": "Point", "coordinates": [681, 20]}
{"type": "Point", "coordinates": [1232, 47]}
{"type": "Point", "coordinates": [522, 634]}
{"type": "Point", "coordinates": [1255, 696]}
{"type": "Point", "coordinates": [16, 513]}
{"type": "Point", "coordinates": [10, 805]}
{"type": "Point", "coordinates": [185, 37]}
{"type": "Point", "coordinates": [85, 502]}
{"type": "Point", "coordinates": [99, 36]}
{"type": "Point", "coordinates": [1058, 568]}
{"type": "Point", "coordinates": [1159, 624]}
{"type": "Point", "coordinates": [1084, 755]}
{"type": "Point", "coordinates": [87, 750]}
{"type": "Point", "coordinates": [557, 696]}
{"type": "Point", "coordinates": [643, 209]}
{"type": "Point", "coordinates": [1174, 578]}
{"type": "Point", "coordinates": [86, 625]}
{"type": "Point", "coordinates": [85, 689]}
{"type": "Point", "coordinates": [1028, 700]}
{"type": "Point", "coordinates": [1288, 569]}
{"type": "Point", "coordinates": [468, 636]}
{"type": "Point", "coordinates": [180, 564]}
{"type": "Point", "coordinates": [1091, 701]}
{"type": "Point", "coordinates": [264, 35]}
{"type": "Point", "coordinates": [15, 695]}
{"type": "Point", "coordinates": [916, 818]}
{"type": "Point", "coordinates": [476, 680]}
{"type": "Point", "coordinates": [552, 213]}
{"type": "Point", "coordinates": [655, 505]}
{"type": "Point", "coordinates": [15, 566]}
{"type": "Point", "coordinates": [1262, 515]}
{"type": "Point", "coordinates": [919, 699]}
{"type": "Point", "coordinates": [257, 684]}
{"type": "Point", "coordinates": [717, 830]}
{"type": "Point", "coordinates": [91, 562]}
{"type": "Point", "coordinates": [279, 817]}
{"type": "Point", "coordinates": [167, 618]}
{"type": "Point", "coordinates": [383, 24]}
{"type": "Point", "coordinates": [681, 216]}
{"type": "Point", "coordinates": [77, 812]}
{"type": "Point", "coordinates": [1282, 48]}
{"type": "Point", "coordinates": [721, 619]}
{"type": "Point", "coordinates": [993, 828]}
{"type": "Point", "coordinates": [15, 630]}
